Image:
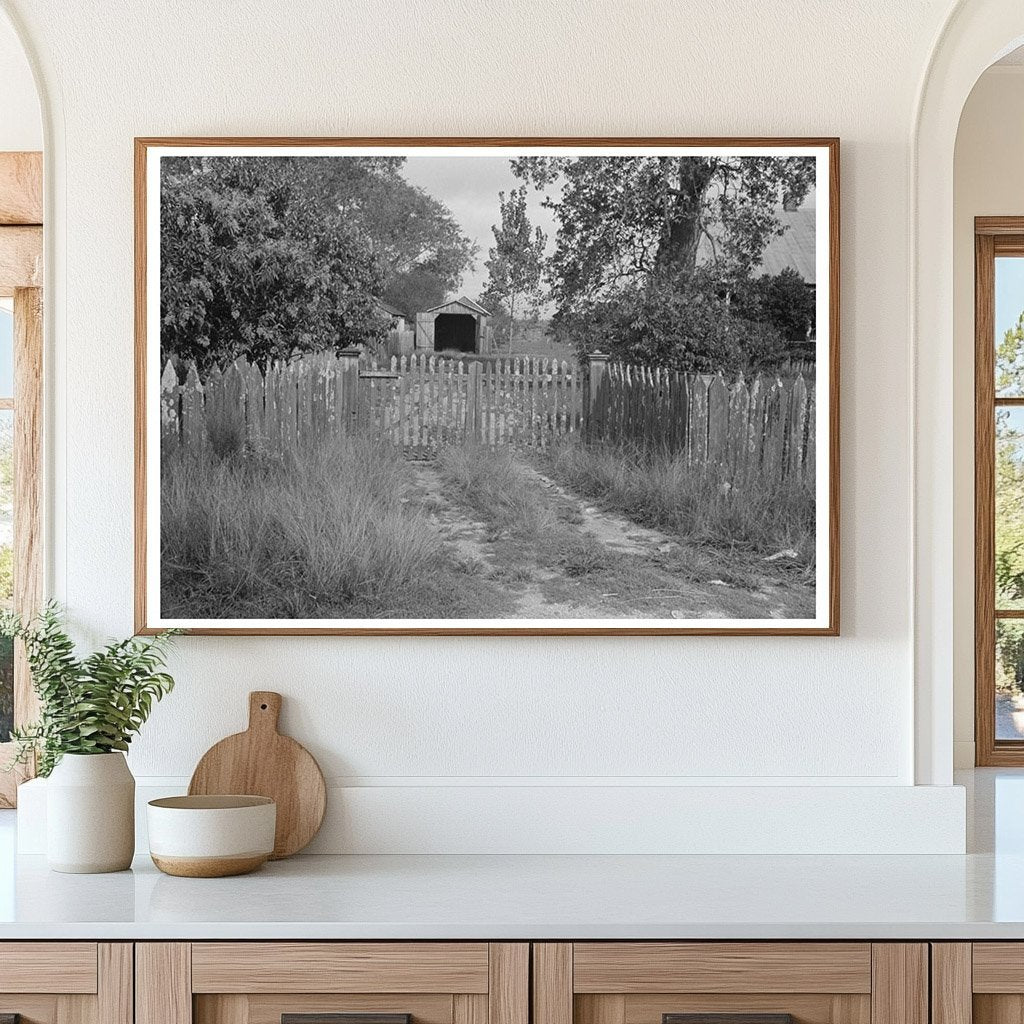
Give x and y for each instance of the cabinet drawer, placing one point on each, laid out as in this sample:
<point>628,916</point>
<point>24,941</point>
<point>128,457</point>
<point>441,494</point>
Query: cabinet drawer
<point>66,982</point>
<point>332,983</point>
<point>730,983</point>
<point>998,967</point>
<point>65,967</point>
<point>340,967</point>
<point>634,967</point>
<point>981,982</point>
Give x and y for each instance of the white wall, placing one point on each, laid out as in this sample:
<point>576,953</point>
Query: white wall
<point>21,127</point>
<point>449,713</point>
<point>987,181</point>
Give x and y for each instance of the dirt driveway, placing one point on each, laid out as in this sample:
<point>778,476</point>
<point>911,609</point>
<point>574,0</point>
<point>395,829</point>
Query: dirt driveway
<point>594,564</point>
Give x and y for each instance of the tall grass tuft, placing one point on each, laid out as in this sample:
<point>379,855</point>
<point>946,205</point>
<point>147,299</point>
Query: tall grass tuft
<point>504,494</point>
<point>225,430</point>
<point>319,534</point>
<point>490,482</point>
<point>657,488</point>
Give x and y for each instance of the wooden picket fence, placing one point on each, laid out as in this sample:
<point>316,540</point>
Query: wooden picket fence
<point>418,402</point>
<point>425,401</point>
<point>761,427</point>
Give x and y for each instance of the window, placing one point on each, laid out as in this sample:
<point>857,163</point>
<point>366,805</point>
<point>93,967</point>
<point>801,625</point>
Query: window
<point>999,490</point>
<point>6,511</point>
<point>20,502</point>
<point>21,366</point>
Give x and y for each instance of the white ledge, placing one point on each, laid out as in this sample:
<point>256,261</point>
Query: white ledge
<point>544,897</point>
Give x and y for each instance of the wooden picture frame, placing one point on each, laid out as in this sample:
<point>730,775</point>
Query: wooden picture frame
<point>825,618</point>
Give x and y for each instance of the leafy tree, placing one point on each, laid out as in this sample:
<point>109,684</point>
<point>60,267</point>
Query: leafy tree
<point>630,225</point>
<point>1009,655</point>
<point>1009,472</point>
<point>1009,511</point>
<point>692,328</point>
<point>250,265</point>
<point>269,257</point>
<point>416,290</point>
<point>412,235</point>
<point>783,300</point>
<point>1009,508</point>
<point>500,322</point>
<point>1010,360</point>
<point>515,260</point>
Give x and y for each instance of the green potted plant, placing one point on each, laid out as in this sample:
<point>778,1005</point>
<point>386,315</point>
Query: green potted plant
<point>90,708</point>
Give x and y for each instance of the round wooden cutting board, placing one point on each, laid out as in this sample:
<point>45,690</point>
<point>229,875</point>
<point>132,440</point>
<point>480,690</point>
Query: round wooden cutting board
<point>262,762</point>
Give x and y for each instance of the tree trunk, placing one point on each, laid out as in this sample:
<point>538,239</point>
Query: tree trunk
<point>683,204</point>
<point>511,319</point>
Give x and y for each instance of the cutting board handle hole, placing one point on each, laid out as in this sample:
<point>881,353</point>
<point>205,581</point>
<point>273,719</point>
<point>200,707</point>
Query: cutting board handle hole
<point>263,707</point>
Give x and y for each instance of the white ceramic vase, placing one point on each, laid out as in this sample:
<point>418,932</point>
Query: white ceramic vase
<point>90,814</point>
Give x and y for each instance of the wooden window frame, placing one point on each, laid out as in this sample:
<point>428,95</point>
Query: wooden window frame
<point>21,273</point>
<point>993,237</point>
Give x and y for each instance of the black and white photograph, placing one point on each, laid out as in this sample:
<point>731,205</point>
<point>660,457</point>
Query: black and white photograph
<point>471,386</point>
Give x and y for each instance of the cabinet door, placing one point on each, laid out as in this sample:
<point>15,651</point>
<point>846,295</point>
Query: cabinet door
<point>332,983</point>
<point>979,982</point>
<point>65,983</point>
<point>730,983</point>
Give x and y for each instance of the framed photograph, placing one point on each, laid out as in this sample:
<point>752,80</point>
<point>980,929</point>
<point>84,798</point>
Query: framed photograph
<point>497,386</point>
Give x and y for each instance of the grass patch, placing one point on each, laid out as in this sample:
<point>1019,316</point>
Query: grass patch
<point>658,489</point>
<point>324,533</point>
<point>490,482</point>
<point>496,487</point>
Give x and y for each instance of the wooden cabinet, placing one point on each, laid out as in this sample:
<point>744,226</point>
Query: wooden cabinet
<point>66,982</point>
<point>306,982</point>
<point>753,982</point>
<point>494,983</point>
<point>978,983</point>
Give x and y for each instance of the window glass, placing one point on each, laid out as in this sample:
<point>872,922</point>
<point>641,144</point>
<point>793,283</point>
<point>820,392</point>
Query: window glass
<point>1009,511</point>
<point>1009,679</point>
<point>6,567</point>
<point>1009,324</point>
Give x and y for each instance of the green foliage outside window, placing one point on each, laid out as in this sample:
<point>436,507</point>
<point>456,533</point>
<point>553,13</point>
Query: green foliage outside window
<point>1009,510</point>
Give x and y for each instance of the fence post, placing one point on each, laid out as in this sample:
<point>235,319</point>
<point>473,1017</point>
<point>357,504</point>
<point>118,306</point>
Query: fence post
<point>170,407</point>
<point>348,389</point>
<point>597,365</point>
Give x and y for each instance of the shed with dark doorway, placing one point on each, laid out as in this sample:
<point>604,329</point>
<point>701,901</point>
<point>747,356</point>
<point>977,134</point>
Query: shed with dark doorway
<point>459,325</point>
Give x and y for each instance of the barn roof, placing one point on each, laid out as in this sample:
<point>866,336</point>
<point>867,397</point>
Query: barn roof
<point>794,248</point>
<point>389,308</point>
<point>461,301</point>
<point>474,305</point>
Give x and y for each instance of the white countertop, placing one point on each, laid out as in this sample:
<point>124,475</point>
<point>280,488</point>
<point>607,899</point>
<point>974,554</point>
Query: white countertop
<point>977,896</point>
<point>496,897</point>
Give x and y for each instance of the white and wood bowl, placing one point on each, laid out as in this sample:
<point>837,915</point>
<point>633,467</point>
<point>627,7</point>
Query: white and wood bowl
<point>211,836</point>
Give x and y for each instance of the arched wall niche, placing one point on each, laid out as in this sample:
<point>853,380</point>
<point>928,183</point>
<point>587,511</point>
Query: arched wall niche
<point>22,130</point>
<point>976,34</point>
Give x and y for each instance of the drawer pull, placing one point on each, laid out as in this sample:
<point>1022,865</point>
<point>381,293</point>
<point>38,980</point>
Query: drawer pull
<point>339,1018</point>
<point>727,1018</point>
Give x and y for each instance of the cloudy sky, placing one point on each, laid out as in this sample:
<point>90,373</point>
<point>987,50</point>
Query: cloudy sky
<point>469,187</point>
